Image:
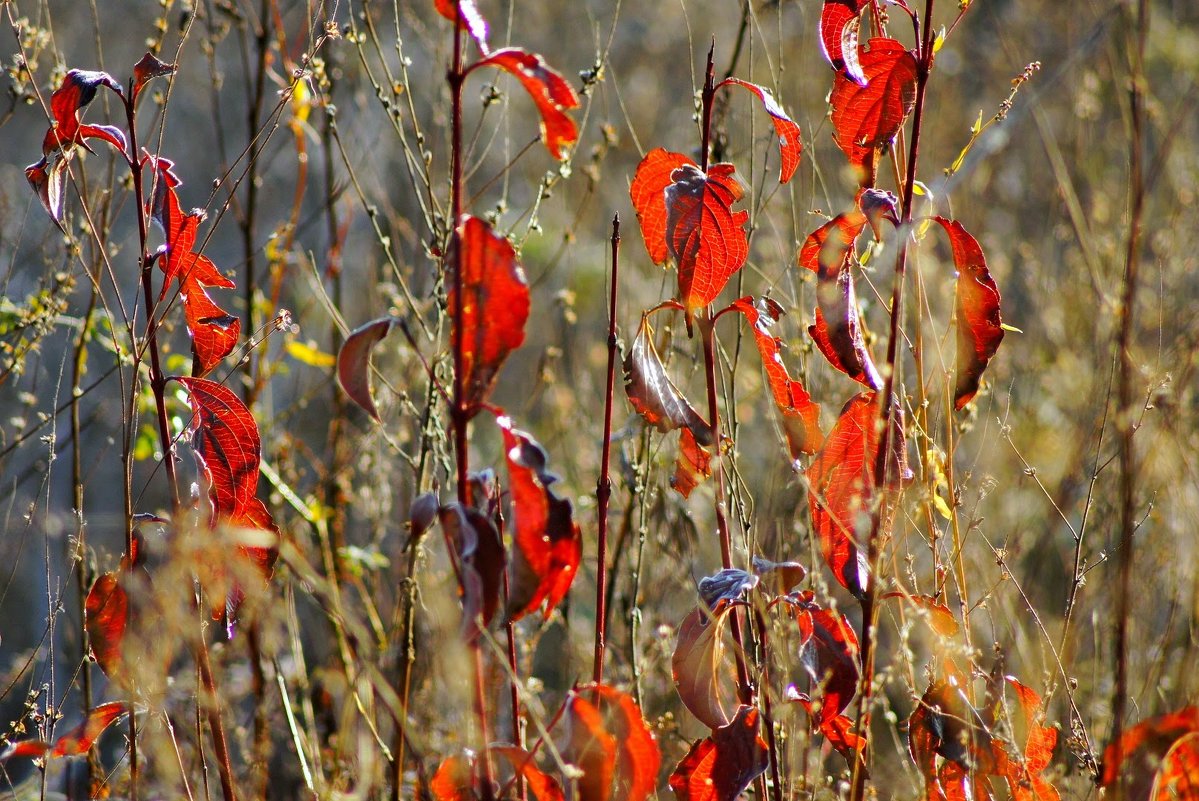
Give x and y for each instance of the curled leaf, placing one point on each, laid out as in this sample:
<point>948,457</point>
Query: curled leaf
<point>78,89</point>
<point>495,306</point>
<point>787,130</point>
<point>634,769</point>
<point>720,767</point>
<point>654,395</point>
<point>552,94</point>
<point>935,613</point>
<point>839,24</point>
<point>49,179</point>
<point>592,748</point>
<point>548,543</point>
<point>693,466</point>
<point>147,69</point>
<point>467,17</point>
<point>354,362</point>
<point>481,560</point>
<point>829,653</point>
<point>1141,747</point>
<point>648,193</point>
<point>1178,775</point>
<point>976,305</point>
<point>779,578</point>
<point>77,741</point>
<point>725,586</point>
<point>702,675</point>
<point>867,116</point>
<point>704,236</point>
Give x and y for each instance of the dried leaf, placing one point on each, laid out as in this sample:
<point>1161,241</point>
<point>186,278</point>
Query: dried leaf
<point>693,466</point>
<point>935,613</point>
<point>720,767</point>
<point>829,653</point>
<point>354,362</point>
<point>702,675</point>
<point>77,741</point>
<point>481,561</point>
<point>654,395</point>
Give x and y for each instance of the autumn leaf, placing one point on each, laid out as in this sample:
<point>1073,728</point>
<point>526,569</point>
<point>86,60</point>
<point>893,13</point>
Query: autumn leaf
<point>78,89</point>
<point>704,236</point>
<point>591,748</point>
<point>829,653</point>
<point>467,17</point>
<point>48,180</point>
<point>720,767</point>
<point>778,578</point>
<point>648,193</point>
<point>654,395</point>
<point>542,786</point>
<point>976,305</point>
<point>945,724</point>
<point>839,24</point>
<point>354,362</point>
<point>867,116</point>
<point>1178,775</point>
<point>548,544</point>
<point>77,741</point>
<point>495,306</point>
<point>1140,748</point>
<point>629,769</point>
<point>106,616</point>
<point>481,560</point>
<point>693,465</point>
<point>552,94</point>
<point>228,451</point>
<point>453,780</point>
<point>839,731</point>
<point>800,416</point>
<point>1023,771</point>
<point>702,675</point>
<point>841,487</point>
<point>790,146</point>
<point>932,611</point>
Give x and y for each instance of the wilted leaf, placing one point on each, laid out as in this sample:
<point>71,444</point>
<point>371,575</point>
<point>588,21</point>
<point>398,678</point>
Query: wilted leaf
<point>481,560</point>
<point>48,181</point>
<point>945,724</point>
<point>148,68</point>
<point>841,485</point>
<point>66,106</point>
<point>495,306</point>
<point>354,362</point>
<point>839,731</point>
<point>648,193</point>
<point>831,246</point>
<point>467,17</point>
<point>976,305</point>
<point>935,613</point>
<point>704,235</point>
<point>800,415</point>
<point>867,116</point>
<point>829,653</point>
<point>77,741</point>
<point>693,466</point>
<point>720,767</point>
<point>788,132</point>
<point>552,93</point>
<point>729,584</point>
<point>548,544</point>
<point>228,452</point>
<point>106,614</point>
<point>703,677</point>
<point>654,395</point>
<point>778,578</point>
<point>839,25</point>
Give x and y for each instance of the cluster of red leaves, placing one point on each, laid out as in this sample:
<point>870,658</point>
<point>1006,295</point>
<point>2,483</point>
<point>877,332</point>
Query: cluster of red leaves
<point>1157,759</point>
<point>77,741</point>
<point>228,451</point>
<point>946,725</point>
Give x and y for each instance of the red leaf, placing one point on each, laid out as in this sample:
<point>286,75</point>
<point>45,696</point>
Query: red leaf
<point>228,452</point>
<point>481,559</point>
<point>552,93</point>
<point>77,741</point>
<point>592,749</point>
<point>839,37</point>
<point>935,613</point>
<point>800,415</point>
<point>703,677</point>
<point>638,757</point>
<point>979,324</point>
<point>788,132</point>
<point>548,544</point>
<point>720,767</point>
<point>648,193</point>
<point>654,395</point>
<point>542,786</point>
<point>693,467</point>
<point>453,780</point>
<point>106,614</point>
<point>704,235</point>
<point>1141,747</point>
<point>831,246</point>
<point>214,331</point>
<point>495,306</point>
<point>841,485</point>
<point>869,115</point>
<point>779,577</point>
<point>148,68</point>
<point>467,17</point>
<point>354,362</point>
<point>830,654</point>
<point>66,106</point>
<point>1178,775</point>
<point>48,181</point>
<point>839,731</point>
<point>945,724</point>
<point>1023,773</point>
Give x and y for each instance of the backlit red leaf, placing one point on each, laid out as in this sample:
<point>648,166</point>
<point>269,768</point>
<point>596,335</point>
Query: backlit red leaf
<point>495,305</point>
<point>66,106</point>
<point>147,69</point>
<point>106,614</point>
<point>778,578</point>
<point>452,780</point>
<point>788,132</point>
<point>703,676</point>
<point>1140,748</point>
<point>354,362</point>
<point>704,235</point>
<point>654,395</point>
<point>648,193</point>
<point>48,180</point>
<point>542,786</point>
<point>720,767</point>
<point>976,305</point>
<point>592,749</point>
<point>841,486</point>
<point>1178,776</point>
<point>693,466</point>
<point>839,37</point>
<point>868,116</point>
<point>831,246</point>
<point>77,741</point>
<point>637,758</point>
<point>214,331</point>
<point>800,415</point>
<point>468,18</point>
<point>481,560</point>
<point>839,731</point>
<point>1023,770</point>
<point>945,724</point>
<point>935,613</point>
<point>548,544</point>
<point>228,451</point>
<point>552,93</point>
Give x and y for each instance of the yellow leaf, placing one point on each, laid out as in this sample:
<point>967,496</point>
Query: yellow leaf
<point>310,354</point>
<point>942,507</point>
